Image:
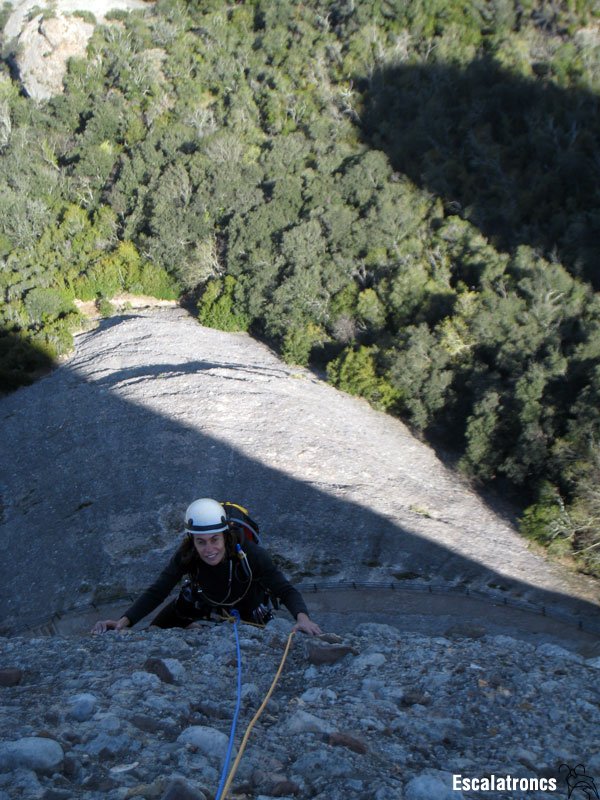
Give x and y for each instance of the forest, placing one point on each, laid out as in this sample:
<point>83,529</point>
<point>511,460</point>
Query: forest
<point>403,195</point>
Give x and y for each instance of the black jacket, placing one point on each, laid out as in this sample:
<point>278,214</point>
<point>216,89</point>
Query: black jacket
<point>218,588</point>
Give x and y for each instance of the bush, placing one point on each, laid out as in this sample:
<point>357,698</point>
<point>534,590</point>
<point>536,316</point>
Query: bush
<point>105,307</point>
<point>21,360</point>
<point>355,372</point>
<point>218,307</point>
<point>299,341</point>
<point>45,304</point>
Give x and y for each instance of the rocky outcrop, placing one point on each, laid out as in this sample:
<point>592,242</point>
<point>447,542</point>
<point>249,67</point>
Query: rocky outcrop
<point>396,716</point>
<point>40,47</point>
<point>44,47</point>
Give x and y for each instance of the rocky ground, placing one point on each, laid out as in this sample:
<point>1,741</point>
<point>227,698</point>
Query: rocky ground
<point>372,715</point>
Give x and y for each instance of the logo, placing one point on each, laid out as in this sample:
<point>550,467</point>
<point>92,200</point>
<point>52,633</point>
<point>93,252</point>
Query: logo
<point>581,785</point>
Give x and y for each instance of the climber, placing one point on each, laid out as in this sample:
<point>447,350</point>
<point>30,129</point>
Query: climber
<point>221,576</point>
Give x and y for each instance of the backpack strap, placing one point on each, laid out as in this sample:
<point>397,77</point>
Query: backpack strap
<point>238,516</point>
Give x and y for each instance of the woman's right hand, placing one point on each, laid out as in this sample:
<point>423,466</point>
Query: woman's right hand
<point>110,625</point>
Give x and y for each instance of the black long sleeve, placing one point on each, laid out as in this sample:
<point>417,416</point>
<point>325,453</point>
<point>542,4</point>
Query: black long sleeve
<point>157,592</point>
<point>265,571</point>
<point>214,582</point>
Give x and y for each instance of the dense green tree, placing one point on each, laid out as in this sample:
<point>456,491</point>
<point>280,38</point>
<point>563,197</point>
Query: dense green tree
<point>356,372</point>
<point>405,191</point>
<point>219,307</point>
<point>420,372</point>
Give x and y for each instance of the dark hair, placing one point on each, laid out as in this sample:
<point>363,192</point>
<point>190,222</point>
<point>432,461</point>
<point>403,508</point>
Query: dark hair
<point>189,556</point>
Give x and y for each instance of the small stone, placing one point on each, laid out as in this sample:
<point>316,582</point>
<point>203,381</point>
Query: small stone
<point>72,768</point>
<point>82,707</point>
<point>274,783</point>
<point>377,631</point>
<point>414,698</point>
<point>157,666</point>
<point>25,783</point>
<point>150,791</point>
<point>249,692</point>
<point>556,651</point>
<point>427,787</point>
<point>285,788</point>
<point>319,695</point>
<point>10,677</point>
<point>57,794</point>
<point>144,722</point>
<point>122,769</point>
<point>145,680</point>
<point>302,722</point>
<point>107,745</point>
<point>321,653</point>
<point>209,741</point>
<point>270,797</point>
<point>109,723</point>
<point>340,739</point>
<point>180,789</point>
<point>366,661</point>
<point>169,670</point>
<point>322,766</point>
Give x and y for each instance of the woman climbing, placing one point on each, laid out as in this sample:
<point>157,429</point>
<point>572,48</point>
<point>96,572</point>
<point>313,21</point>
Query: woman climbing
<point>222,572</point>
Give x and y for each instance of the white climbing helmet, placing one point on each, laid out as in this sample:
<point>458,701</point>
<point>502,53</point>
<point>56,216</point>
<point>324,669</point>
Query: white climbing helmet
<point>205,516</point>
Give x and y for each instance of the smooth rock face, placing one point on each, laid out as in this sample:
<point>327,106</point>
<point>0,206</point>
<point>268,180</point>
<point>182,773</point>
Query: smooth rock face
<point>40,48</point>
<point>153,410</point>
<point>44,47</point>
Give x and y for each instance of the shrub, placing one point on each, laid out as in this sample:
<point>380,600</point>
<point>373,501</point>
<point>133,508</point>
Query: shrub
<point>355,371</point>
<point>218,307</point>
<point>299,341</point>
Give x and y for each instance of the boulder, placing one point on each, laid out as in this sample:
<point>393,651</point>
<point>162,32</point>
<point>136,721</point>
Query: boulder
<point>33,752</point>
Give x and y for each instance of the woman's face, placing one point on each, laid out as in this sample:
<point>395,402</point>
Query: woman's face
<point>210,548</point>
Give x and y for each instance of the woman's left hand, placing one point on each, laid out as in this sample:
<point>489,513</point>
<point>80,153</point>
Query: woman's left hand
<point>305,624</point>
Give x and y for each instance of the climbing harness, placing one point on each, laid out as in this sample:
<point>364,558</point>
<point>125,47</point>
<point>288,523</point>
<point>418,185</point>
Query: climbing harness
<point>225,785</point>
<point>193,593</point>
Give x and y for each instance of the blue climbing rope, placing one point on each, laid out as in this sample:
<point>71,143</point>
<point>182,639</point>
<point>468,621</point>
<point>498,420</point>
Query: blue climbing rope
<point>236,619</point>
